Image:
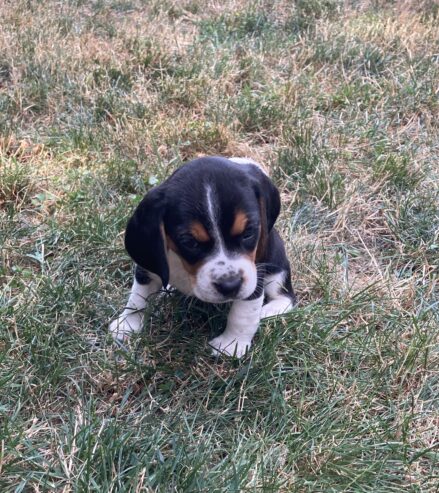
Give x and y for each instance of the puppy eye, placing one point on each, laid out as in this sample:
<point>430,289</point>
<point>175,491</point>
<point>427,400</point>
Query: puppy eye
<point>248,236</point>
<point>190,242</point>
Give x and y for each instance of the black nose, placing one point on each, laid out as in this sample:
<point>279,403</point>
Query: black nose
<point>229,286</point>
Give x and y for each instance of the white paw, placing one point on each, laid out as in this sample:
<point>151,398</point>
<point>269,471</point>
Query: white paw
<point>123,327</point>
<point>231,346</point>
<point>275,308</point>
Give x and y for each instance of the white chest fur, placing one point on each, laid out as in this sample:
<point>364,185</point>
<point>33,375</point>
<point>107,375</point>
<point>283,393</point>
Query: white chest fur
<point>178,276</point>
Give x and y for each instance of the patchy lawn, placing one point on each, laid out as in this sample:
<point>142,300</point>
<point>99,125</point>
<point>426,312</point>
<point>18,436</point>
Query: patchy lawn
<point>100,100</point>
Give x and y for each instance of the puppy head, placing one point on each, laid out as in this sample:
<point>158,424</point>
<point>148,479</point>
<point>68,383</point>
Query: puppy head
<point>214,215</point>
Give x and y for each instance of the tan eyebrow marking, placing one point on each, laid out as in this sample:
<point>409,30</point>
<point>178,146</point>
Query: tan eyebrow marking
<point>199,232</point>
<point>239,224</point>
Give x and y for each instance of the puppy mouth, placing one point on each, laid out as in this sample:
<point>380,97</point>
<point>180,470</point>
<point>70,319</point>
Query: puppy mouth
<point>212,296</point>
<point>226,283</point>
<point>217,298</point>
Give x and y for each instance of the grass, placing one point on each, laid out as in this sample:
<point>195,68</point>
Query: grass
<point>101,100</point>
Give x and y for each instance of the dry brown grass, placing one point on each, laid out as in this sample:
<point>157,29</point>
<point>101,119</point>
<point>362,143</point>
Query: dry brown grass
<point>99,101</point>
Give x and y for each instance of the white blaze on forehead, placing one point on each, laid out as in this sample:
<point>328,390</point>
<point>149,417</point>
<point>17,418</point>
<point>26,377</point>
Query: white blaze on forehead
<point>213,211</point>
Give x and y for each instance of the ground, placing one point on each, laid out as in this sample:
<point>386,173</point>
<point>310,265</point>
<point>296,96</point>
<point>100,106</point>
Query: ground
<point>99,101</point>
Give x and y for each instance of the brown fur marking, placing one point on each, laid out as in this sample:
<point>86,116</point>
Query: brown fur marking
<point>199,232</point>
<point>170,245</point>
<point>252,255</point>
<point>263,234</point>
<point>191,269</point>
<point>239,224</point>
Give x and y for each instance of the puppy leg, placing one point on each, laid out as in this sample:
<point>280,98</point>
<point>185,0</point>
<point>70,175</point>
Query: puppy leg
<point>281,299</point>
<point>242,324</point>
<point>130,321</point>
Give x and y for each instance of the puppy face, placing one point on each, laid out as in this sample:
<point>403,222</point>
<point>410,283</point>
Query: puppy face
<point>216,239</point>
<point>211,218</point>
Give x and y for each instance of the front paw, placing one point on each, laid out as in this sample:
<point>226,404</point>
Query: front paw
<point>229,345</point>
<point>275,308</point>
<point>123,327</point>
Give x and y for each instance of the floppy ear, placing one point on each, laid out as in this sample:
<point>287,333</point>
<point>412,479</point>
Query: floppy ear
<point>144,236</point>
<point>267,195</point>
<point>269,205</point>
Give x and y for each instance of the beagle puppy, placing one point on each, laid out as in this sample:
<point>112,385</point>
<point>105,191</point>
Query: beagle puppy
<point>208,231</point>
